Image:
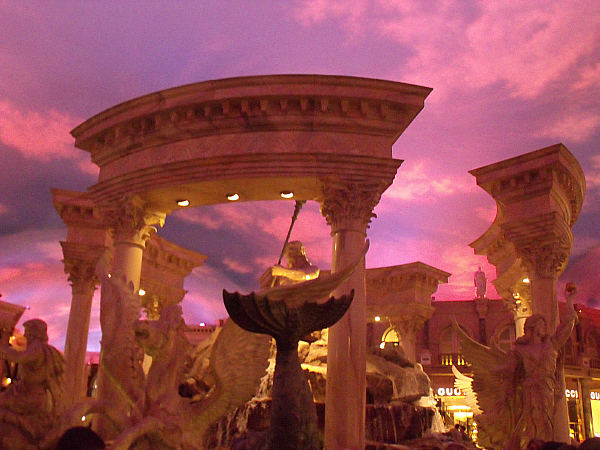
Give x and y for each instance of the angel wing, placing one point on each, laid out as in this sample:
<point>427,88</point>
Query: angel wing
<point>238,361</point>
<point>316,289</point>
<point>493,388</point>
<point>465,384</point>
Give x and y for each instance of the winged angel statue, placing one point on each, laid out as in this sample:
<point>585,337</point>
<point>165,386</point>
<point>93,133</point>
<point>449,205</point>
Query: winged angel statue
<point>513,394</point>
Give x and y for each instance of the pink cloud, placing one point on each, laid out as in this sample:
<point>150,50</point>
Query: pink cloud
<point>38,135</point>
<point>310,12</point>
<point>420,183</point>
<point>592,178</point>
<point>527,45</point>
<point>575,126</point>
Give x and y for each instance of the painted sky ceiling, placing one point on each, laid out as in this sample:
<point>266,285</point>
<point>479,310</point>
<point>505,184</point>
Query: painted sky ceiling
<point>508,77</point>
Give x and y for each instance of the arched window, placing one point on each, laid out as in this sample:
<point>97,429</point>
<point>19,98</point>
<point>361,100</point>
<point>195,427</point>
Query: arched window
<point>391,335</point>
<point>505,336</point>
<point>448,341</point>
<point>449,350</point>
<point>591,344</point>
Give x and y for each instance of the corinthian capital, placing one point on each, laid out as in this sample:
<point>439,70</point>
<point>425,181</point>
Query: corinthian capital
<point>544,242</point>
<point>82,274</point>
<point>546,260</point>
<point>133,220</point>
<point>349,206</point>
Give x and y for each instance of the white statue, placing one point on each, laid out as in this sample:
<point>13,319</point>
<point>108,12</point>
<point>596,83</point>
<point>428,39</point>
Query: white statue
<point>31,406</point>
<point>516,391</point>
<point>480,282</point>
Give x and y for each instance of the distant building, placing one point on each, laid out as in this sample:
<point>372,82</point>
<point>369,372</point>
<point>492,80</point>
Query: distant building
<point>438,349</point>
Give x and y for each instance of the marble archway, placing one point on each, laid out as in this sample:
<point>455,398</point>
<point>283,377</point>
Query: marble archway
<point>324,138</point>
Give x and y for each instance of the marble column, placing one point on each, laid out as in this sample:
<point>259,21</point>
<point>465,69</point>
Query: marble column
<point>132,222</point>
<point>83,281</point>
<point>348,210</point>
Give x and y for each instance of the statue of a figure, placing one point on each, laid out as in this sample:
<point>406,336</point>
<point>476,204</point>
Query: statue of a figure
<point>298,268</point>
<point>517,391</point>
<point>480,282</point>
<point>31,406</point>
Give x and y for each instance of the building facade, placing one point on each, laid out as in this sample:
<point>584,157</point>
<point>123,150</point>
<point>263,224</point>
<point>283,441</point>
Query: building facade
<point>484,320</point>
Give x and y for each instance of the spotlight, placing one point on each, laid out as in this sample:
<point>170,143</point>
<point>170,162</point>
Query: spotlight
<point>233,197</point>
<point>525,280</point>
<point>183,203</point>
<point>286,194</point>
<point>142,292</point>
<point>377,318</point>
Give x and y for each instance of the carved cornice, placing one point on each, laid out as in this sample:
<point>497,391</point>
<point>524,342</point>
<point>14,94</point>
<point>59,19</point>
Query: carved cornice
<point>78,210</point>
<point>164,255</point>
<point>349,206</point>
<point>262,103</point>
<point>133,220</point>
<point>551,169</point>
<point>405,277</point>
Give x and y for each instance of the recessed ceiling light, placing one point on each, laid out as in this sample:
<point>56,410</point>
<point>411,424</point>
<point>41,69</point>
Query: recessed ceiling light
<point>287,194</point>
<point>233,197</point>
<point>183,202</point>
<point>525,280</point>
<point>377,318</point>
<point>142,292</point>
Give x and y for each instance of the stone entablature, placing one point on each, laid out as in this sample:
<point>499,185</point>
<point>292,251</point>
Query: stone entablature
<point>255,136</point>
<point>539,196</point>
<point>281,103</point>
<point>402,284</point>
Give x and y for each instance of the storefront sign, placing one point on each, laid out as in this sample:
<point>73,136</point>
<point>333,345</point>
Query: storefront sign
<point>446,392</point>
<point>571,393</point>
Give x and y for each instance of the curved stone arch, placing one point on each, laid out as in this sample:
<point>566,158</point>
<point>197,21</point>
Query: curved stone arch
<point>324,138</point>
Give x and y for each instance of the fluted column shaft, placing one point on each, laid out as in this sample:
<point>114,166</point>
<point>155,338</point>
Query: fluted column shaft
<point>83,283</point>
<point>348,210</point>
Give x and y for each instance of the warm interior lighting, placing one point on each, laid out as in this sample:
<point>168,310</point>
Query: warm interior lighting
<point>377,318</point>
<point>287,194</point>
<point>233,197</point>
<point>6,382</point>
<point>183,202</point>
<point>142,292</point>
<point>382,345</point>
<point>525,280</point>
<point>202,324</point>
<point>83,418</point>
